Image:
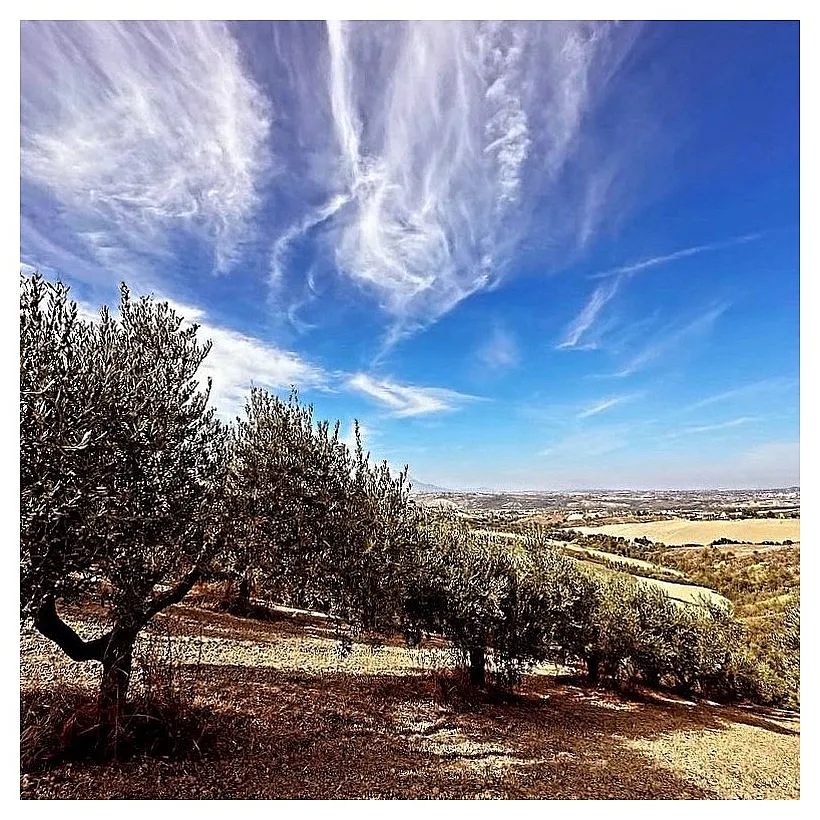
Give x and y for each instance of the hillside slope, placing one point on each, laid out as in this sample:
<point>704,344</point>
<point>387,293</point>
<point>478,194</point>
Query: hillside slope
<point>294,720</point>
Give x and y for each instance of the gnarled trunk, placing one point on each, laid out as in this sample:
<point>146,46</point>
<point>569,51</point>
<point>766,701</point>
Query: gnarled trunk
<point>116,676</point>
<point>114,650</point>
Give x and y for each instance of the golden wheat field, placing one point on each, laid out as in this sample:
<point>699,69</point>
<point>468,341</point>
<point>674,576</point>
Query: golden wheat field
<point>679,531</point>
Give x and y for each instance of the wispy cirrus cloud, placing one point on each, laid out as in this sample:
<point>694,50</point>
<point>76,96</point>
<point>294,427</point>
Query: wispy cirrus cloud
<point>137,129</point>
<point>428,186</point>
<point>437,169</point>
<point>603,405</point>
<point>656,261</point>
<point>404,400</point>
<point>584,321</point>
<point>582,326</point>
<point>417,189</point>
<point>499,351</point>
<point>763,387</point>
<point>673,341</point>
<point>279,253</point>
<point>724,425</point>
<point>710,428</point>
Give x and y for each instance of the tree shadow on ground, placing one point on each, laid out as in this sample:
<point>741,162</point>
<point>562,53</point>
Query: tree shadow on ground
<point>294,735</point>
<point>761,717</point>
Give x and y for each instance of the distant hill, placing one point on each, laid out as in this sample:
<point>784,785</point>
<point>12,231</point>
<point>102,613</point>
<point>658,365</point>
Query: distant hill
<point>419,487</point>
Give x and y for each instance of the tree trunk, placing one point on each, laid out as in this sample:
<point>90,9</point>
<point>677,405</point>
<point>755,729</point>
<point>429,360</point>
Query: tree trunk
<point>593,660</point>
<point>114,650</point>
<point>243,601</point>
<point>116,676</point>
<point>478,666</point>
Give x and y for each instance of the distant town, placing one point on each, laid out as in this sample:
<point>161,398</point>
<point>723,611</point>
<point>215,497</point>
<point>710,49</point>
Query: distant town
<point>623,506</point>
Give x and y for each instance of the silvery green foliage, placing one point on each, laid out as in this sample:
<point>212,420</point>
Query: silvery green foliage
<point>380,533</point>
<point>121,460</point>
<point>524,601</point>
<point>316,524</point>
<point>640,634</point>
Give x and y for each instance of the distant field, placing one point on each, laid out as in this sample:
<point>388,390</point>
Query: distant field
<point>619,559</point>
<point>684,593</point>
<point>678,531</point>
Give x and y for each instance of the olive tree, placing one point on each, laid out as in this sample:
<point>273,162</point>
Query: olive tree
<point>122,468</point>
<point>376,537</point>
<point>289,480</point>
<point>318,524</point>
<point>459,589</point>
<point>523,600</point>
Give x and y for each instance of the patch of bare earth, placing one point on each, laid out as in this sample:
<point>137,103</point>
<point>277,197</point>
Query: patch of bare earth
<point>295,720</point>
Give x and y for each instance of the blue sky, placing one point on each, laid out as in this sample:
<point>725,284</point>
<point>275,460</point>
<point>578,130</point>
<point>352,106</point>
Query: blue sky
<point>532,256</point>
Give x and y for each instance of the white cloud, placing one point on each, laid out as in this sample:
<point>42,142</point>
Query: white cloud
<point>655,261</point>
<point>601,406</point>
<point>500,350</point>
<point>437,160</point>
<point>723,425</point>
<point>586,320</point>
<point>140,132</point>
<point>278,258</point>
<point>673,341</point>
<point>764,387</point>
<point>141,128</point>
<point>404,400</point>
<point>582,323</point>
<point>236,361</point>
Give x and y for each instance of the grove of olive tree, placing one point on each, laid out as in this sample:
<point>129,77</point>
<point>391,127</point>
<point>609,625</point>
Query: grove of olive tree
<point>132,490</point>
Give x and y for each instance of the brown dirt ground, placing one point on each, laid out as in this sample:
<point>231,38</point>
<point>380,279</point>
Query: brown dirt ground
<point>296,721</point>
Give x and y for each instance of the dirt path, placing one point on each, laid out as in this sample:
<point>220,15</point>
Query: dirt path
<point>296,721</point>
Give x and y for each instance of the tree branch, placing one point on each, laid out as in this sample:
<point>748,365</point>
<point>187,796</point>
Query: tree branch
<point>172,596</point>
<point>48,623</point>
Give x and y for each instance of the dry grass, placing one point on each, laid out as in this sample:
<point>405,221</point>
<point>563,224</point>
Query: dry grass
<point>355,729</point>
<point>572,550</point>
<point>684,593</point>
<point>679,531</point>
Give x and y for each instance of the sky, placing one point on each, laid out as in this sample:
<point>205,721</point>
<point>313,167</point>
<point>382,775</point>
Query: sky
<point>523,255</point>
